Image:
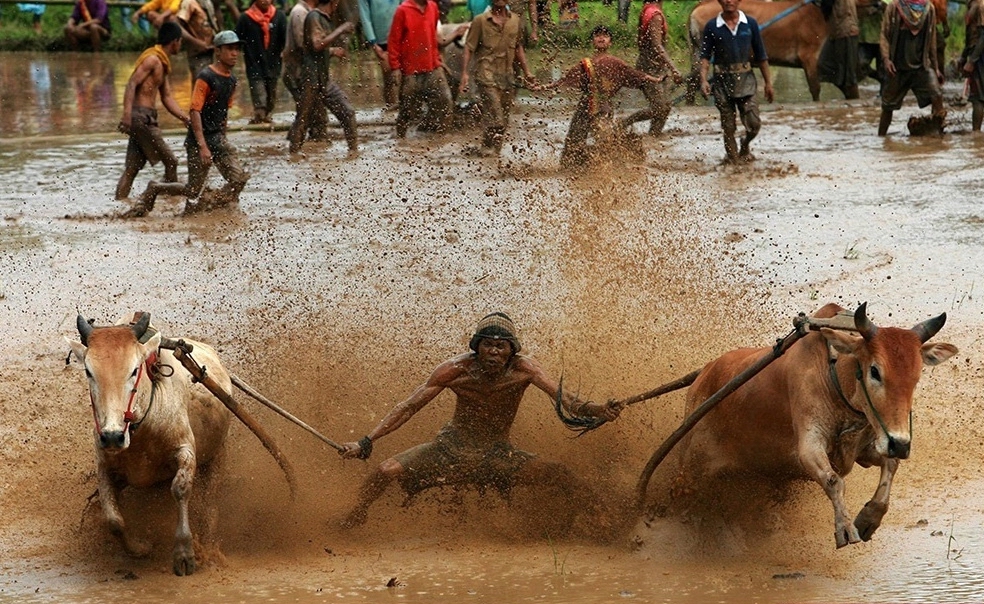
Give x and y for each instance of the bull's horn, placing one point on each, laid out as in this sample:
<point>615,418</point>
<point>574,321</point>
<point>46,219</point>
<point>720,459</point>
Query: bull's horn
<point>929,327</point>
<point>863,324</point>
<point>140,327</point>
<point>85,328</point>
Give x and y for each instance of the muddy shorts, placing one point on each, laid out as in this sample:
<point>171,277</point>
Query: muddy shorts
<point>146,142</point>
<point>452,460</point>
<point>922,83</point>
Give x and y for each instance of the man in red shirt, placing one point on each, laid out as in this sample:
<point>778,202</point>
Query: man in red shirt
<point>414,52</point>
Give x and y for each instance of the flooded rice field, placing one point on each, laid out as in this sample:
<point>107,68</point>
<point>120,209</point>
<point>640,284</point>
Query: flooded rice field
<point>336,285</point>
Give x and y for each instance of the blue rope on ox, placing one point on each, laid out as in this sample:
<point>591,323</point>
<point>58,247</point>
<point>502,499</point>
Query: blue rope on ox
<point>785,13</point>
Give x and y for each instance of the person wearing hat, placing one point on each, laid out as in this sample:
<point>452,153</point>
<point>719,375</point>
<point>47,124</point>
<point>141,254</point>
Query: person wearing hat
<point>598,78</point>
<point>139,121</point>
<point>206,142</point>
<point>473,448</point>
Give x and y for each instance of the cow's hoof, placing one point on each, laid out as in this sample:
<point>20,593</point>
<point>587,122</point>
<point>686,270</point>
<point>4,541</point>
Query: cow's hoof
<point>846,535</point>
<point>184,563</point>
<point>869,519</point>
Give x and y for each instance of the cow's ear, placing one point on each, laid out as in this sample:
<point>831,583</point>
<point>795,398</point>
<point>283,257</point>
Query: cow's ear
<point>935,353</point>
<point>842,342</point>
<point>152,344</point>
<point>78,349</point>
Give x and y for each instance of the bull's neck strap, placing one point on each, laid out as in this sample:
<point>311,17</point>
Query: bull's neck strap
<point>832,364</point>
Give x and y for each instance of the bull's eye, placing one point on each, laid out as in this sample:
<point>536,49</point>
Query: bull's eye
<point>875,374</point>
<point>134,374</point>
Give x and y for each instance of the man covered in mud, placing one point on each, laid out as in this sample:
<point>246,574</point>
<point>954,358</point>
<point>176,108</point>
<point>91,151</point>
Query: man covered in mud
<point>139,119</point>
<point>655,60</point>
<point>206,142</point>
<point>318,91</point>
<point>494,41</point>
<point>733,42</point>
<point>598,78</point>
<point>473,448</point>
<point>971,58</point>
<point>908,48</point>
<point>414,52</point>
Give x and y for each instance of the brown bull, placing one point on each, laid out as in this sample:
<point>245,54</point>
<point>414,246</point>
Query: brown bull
<point>794,40</point>
<point>152,424</point>
<point>834,399</point>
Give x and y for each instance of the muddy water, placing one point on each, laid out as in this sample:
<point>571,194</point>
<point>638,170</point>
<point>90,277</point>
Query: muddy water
<point>336,285</point>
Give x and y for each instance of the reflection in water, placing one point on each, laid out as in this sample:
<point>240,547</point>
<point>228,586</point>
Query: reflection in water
<point>80,93</point>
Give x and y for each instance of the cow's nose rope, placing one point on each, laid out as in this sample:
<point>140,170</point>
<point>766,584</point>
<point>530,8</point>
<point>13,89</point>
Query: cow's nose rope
<point>858,374</point>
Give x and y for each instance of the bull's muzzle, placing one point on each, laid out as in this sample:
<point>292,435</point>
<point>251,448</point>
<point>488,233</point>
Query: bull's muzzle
<point>898,449</point>
<point>112,439</point>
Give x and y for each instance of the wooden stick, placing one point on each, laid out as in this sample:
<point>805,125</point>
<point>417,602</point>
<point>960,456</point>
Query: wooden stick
<point>283,412</point>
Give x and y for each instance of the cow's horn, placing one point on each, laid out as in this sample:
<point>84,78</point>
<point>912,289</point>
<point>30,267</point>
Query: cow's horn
<point>140,327</point>
<point>929,327</point>
<point>85,328</point>
<point>863,323</point>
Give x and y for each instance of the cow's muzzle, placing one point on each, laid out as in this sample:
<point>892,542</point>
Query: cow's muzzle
<point>898,449</point>
<point>112,439</point>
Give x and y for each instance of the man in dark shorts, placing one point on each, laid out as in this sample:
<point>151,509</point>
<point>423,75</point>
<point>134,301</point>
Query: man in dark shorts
<point>598,78</point>
<point>733,42</point>
<point>317,88</point>
<point>206,143</point>
<point>140,110</point>
<point>908,48</point>
<point>473,448</point>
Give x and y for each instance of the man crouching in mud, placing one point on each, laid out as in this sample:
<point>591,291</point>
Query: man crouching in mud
<point>473,448</point>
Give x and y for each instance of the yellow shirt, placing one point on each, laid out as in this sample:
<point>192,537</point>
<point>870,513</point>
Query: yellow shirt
<point>160,6</point>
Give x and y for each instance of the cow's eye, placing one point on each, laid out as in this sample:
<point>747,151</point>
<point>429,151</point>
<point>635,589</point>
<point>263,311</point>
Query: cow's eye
<point>134,374</point>
<point>875,374</point>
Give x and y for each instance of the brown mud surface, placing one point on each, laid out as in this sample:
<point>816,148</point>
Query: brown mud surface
<point>336,285</point>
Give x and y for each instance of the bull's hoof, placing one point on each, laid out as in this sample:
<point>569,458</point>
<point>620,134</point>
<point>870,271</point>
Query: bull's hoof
<point>846,535</point>
<point>183,562</point>
<point>869,519</point>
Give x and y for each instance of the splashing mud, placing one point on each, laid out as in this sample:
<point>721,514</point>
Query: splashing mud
<point>337,285</point>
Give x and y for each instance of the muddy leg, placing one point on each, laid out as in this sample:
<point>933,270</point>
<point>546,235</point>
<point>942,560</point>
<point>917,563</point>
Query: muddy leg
<point>109,500</point>
<point>884,122</point>
<point>183,555</point>
<point>870,517</point>
<point>372,489</point>
<point>977,115</point>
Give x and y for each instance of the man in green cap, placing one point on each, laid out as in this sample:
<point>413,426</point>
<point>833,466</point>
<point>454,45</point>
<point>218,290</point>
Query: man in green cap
<point>473,448</point>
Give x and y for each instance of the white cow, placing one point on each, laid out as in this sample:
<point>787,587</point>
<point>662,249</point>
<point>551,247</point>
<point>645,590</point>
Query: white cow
<point>152,424</point>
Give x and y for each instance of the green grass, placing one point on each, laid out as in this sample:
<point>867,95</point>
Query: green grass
<point>16,32</point>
